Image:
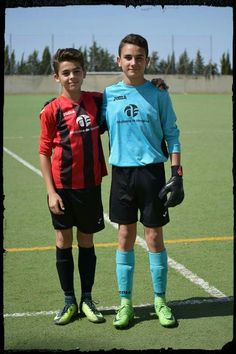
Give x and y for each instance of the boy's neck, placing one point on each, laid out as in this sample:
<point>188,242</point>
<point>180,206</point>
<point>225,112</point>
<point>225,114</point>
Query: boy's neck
<point>72,96</point>
<point>134,82</point>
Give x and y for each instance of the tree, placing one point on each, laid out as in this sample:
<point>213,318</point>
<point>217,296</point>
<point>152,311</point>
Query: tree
<point>9,62</point>
<point>184,66</point>
<point>100,59</point>
<point>13,63</point>
<point>230,71</point>
<point>211,70</point>
<point>198,65</point>
<point>33,63</point>
<point>106,61</point>
<point>162,66</point>
<point>153,64</point>
<point>170,65</point>
<point>6,61</point>
<point>85,55</point>
<point>45,64</point>
<point>225,65</point>
<point>22,67</point>
<point>93,57</point>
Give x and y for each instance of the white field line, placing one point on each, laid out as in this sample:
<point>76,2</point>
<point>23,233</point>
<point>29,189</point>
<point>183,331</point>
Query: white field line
<point>25,163</point>
<point>114,308</point>
<point>194,278</point>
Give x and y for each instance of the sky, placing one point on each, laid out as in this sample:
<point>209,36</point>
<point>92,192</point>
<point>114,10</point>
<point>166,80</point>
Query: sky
<point>204,28</point>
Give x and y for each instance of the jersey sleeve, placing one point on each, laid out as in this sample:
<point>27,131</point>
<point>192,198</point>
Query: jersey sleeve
<point>168,122</point>
<point>48,130</point>
<point>102,120</point>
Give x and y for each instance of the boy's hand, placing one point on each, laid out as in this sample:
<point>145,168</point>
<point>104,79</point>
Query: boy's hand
<point>175,187</point>
<point>56,204</point>
<point>158,82</point>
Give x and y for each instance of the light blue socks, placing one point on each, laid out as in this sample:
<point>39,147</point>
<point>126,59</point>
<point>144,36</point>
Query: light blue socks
<point>158,267</point>
<point>125,264</point>
<point>125,270</point>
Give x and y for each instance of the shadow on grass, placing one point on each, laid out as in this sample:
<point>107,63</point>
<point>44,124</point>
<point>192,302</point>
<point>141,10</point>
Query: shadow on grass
<point>197,307</point>
<point>194,307</point>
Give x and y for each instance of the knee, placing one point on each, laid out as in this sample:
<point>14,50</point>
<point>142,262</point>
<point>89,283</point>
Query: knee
<point>64,238</point>
<point>85,240</point>
<point>126,238</point>
<point>154,239</point>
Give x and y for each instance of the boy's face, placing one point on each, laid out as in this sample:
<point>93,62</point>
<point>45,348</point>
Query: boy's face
<point>133,62</point>
<point>71,76</point>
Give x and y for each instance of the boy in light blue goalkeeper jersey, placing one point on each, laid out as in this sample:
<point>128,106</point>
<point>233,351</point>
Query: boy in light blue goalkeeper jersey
<point>143,133</point>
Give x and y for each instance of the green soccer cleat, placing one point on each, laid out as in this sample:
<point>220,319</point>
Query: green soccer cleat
<point>124,316</point>
<point>164,313</point>
<point>66,315</point>
<point>88,308</point>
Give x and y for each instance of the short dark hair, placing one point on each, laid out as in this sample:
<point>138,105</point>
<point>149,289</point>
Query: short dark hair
<point>67,54</point>
<point>135,39</point>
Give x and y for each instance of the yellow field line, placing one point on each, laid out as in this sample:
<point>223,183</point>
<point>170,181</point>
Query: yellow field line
<point>200,239</point>
<point>114,244</point>
<point>48,248</point>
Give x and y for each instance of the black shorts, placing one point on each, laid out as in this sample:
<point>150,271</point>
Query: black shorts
<point>83,209</point>
<point>136,189</point>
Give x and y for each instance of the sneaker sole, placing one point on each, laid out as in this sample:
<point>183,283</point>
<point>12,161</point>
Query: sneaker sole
<point>91,320</point>
<point>168,325</point>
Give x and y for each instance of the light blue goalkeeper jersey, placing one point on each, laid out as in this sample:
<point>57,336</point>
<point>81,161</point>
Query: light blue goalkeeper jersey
<point>139,120</point>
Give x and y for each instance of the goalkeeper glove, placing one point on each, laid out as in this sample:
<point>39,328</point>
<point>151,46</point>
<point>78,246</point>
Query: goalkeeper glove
<point>175,187</point>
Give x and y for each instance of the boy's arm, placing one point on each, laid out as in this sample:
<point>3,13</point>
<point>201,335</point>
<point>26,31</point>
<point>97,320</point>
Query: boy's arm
<point>102,118</point>
<point>54,200</point>
<point>175,159</point>
<point>103,127</point>
<point>175,184</point>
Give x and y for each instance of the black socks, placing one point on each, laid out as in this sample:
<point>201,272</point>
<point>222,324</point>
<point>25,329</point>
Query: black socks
<point>65,268</point>
<point>87,265</point>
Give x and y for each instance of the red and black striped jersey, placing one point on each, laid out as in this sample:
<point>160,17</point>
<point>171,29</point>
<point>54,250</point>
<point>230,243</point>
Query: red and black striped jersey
<point>70,135</point>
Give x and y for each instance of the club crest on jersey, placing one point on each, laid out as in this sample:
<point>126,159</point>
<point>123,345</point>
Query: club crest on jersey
<point>83,121</point>
<point>131,110</point>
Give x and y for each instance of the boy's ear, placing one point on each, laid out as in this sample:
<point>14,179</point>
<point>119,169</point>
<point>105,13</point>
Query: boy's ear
<point>118,61</point>
<point>147,62</point>
<point>85,72</point>
<point>56,77</point>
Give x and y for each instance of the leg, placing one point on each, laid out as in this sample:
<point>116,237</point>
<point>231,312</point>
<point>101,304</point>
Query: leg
<point>159,268</point>
<point>86,262</point>
<point>125,259</point>
<point>125,270</point>
<point>157,259</point>
<point>65,269</point>
<point>87,267</point>
<point>127,237</point>
<point>64,261</point>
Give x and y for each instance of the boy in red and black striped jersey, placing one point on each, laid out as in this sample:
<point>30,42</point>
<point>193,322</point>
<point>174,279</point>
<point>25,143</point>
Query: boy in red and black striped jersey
<point>72,163</point>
